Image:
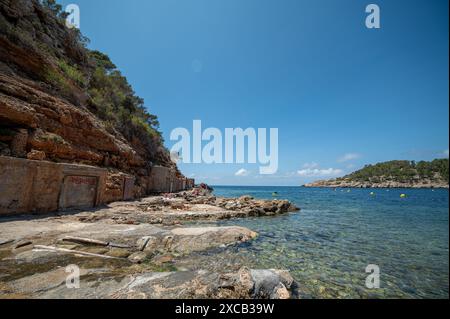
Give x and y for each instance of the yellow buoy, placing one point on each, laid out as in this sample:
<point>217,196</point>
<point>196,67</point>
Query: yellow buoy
<point>372,194</point>
<point>403,196</point>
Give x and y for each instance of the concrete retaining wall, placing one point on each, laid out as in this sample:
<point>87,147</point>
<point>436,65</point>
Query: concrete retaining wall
<point>190,183</point>
<point>38,187</point>
<point>28,186</point>
<point>159,180</point>
<point>164,180</point>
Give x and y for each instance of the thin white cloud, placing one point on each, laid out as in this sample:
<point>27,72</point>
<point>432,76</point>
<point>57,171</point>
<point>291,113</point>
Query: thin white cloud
<point>349,157</point>
<point>316,172</point>
<point>445,153</point>
<point>242,172</point>
<point>285,175</point>
<point>311,165</point>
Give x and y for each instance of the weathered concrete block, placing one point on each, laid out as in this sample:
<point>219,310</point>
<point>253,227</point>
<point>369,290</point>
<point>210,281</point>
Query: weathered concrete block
<point>78,191</point>
<point>128,189</point>
<point>16,183</point>
<point>173,182</point>
<point>178,184</point>
<point>165,180</point>
<point>47,181</point>
<point>160,180</point>
<point>28,186</point>
<point>190,183</point>
<point>85,185</point>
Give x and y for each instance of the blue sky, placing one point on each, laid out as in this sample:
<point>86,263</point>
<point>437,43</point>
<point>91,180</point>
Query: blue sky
<point>340,94</point>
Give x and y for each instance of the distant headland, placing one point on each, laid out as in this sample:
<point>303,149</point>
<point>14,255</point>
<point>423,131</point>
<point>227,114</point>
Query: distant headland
<point>394,174</point>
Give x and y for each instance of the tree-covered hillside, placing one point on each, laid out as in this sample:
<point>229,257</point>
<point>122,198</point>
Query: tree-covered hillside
<point>402,171</point>
<point>58,60</point>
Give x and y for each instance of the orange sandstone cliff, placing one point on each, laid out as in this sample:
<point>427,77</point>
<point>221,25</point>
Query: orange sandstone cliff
<point>61,102</point>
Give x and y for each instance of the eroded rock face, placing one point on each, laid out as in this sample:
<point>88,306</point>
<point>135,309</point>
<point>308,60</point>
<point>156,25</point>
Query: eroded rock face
<point>200,284</point>
<point>36,155</point>
<point>244,284</point>
<point>246,205</point>
<point>51,235</point>
<point>182,207</point>
<point>45,114</point>
<point>84,139</point>
<point>116,261</point>
<point>196,239</point>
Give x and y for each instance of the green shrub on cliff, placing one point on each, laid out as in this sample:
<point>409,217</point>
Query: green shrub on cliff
<point>111,96</point>
<point>114,101</point>
<point>57,80</point>
<point>73,73</point>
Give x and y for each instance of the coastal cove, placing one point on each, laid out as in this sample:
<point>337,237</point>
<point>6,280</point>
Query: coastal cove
<point>121,122</point>
<point>329,243</point>
<point>259,243</point>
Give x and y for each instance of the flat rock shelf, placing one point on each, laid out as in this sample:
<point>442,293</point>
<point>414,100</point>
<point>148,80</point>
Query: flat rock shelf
<point>138,249</point>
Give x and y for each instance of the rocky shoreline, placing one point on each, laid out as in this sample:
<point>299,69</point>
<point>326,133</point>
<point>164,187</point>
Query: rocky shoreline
<point>132,249</point>
<point>347,183</point>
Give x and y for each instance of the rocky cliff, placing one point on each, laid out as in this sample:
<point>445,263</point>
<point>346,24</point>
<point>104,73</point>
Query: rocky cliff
<point>61,102</point>
<point>394,174</point>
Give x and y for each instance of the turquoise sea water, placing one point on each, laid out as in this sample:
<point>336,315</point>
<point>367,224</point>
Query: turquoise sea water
<point>328,245</point>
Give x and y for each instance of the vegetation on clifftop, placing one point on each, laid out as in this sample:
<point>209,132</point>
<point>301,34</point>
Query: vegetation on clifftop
<point>402,171</point>
<point>114,101</point>
<point>57,57</point>
<point>111,97</point>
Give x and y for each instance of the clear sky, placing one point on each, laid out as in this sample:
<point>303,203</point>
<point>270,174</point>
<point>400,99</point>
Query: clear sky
<point>340,94</point>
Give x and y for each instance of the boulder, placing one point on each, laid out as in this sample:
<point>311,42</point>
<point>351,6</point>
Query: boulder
<point>36,155</point>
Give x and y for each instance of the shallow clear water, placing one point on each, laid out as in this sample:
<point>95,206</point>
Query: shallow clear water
<point>328,245</point>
